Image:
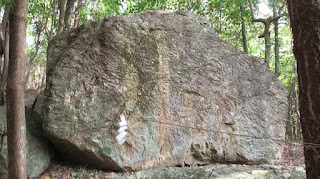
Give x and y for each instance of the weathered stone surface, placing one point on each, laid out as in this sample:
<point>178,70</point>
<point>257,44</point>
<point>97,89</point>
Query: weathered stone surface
<point>158,68</point>
<point>222,172</point>
<point>30,97</point>
<point>34,100</point>
<point>37,145</point>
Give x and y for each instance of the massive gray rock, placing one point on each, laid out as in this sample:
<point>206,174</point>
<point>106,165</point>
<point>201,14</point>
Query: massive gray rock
<point>188,96</point>
<point>37,145</point>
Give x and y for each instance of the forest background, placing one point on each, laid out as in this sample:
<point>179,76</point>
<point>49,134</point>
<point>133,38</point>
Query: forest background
<point>257,27</point>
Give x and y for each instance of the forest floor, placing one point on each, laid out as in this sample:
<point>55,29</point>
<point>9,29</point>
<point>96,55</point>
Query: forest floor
<point>292,156</point>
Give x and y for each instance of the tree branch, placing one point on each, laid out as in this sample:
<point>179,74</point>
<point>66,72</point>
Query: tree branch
<point>280,9</point>
<point>252,14</point>
<point>278,17</point>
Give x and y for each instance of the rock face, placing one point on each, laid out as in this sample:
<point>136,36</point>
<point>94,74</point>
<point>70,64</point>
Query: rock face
<point>188,97</point>
<point>222,172</point>
<point>37,145</point>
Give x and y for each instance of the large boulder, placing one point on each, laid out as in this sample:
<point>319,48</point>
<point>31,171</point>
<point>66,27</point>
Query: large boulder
<point>188,96</point>
<point>37,145</point>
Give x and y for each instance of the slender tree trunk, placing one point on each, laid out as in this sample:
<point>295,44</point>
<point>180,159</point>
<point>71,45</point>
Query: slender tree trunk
<point>305,24</point>
<point>220,17</point>
<point>5,19</point>
<point>62,14</point>
<point>78,12</point>
<point>243,31</point>
<point>4,72</point>
<point>43,80</point>
<point>291,107</point>
<point>53,19</point>
<point>68,15</point>
<point>266,32</point>
<point>276,40</point>
<point>2,44</point>
<point>267,44</point>
<point>276,48</point>
<point>289,119</point>
<point>292,110</point>
<point>16,123</point>
<point>2,41</point>
<point>34,55</point>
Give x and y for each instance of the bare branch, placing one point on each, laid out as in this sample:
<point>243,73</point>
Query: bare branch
<point>278,17</point>
<point>280,9</point>
<point>252,14</point>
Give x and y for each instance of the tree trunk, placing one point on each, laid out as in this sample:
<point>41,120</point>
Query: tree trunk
<point>62,14</point>
<point>276,40</point>
<point>305,24</point>
<point>266,32</point>
<point>16,123</point>
<point>1,46</point>
<point>78,12</point>
<point>33,56</point>
<point>4,73</point>
<point>276,48</point>
<point>53,19</point>
<point>68,15</point>
<point>5,19</point>
<point>289,119</point>
<point>243,31</point>
<point>43,81</point>
<point>267,44</point>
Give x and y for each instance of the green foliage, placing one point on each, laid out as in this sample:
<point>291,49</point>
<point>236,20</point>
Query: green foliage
<point>98,9</point>
<point>135,6</point>
<point>7,3</point>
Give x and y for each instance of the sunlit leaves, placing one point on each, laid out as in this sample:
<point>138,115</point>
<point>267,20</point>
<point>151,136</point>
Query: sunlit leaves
<point>98,9</point>
<point>134,6</point>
